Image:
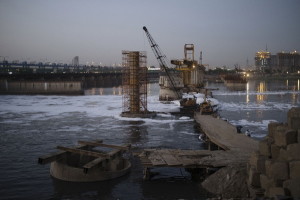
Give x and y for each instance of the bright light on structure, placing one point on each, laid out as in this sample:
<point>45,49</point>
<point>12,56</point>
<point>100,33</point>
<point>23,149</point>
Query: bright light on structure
<point>263,54</point>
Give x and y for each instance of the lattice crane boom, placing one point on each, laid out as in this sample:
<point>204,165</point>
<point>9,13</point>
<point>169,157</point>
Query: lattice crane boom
<point>161,60</point>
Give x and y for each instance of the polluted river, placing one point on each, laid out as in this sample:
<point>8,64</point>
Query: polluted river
<point>33,125</point>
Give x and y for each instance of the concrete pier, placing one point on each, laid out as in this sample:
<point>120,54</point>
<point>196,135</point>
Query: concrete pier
<point>225,135</point>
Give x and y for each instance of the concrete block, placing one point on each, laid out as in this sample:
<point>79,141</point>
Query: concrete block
<point>279,135</point>
<point>284,137</point>
<point>294,169</point>
<point>283,155</point>
<point>293,151</point>
<point>266,182</point>
<point>277,170</point>
<point>268,167</point>
<point>257,161</point>
<point>294,118</point>
<point>265,148</point>
<point>272,128</point>
<point>276,191</point>
<point>254,177</point>
<point>293,186</point>
<point>291,136</point>
<point>274,151</point>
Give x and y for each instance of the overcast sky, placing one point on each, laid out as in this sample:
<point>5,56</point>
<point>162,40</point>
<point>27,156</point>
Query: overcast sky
<point>226,31</point>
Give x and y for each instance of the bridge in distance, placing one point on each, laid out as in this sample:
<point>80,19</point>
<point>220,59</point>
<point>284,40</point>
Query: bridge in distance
<point>54,71</point>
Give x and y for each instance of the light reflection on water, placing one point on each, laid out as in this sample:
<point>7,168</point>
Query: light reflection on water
<point>247,93</point>
<point>261,102</point>
<point>261,88</point>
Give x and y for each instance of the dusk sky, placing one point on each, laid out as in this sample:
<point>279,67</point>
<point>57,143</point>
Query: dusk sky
<point>226,31</point>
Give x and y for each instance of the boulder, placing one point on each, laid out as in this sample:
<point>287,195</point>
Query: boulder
<point>230,182</point>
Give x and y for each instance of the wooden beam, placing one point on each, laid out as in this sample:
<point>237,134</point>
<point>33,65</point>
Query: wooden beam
<point>51,157</point>
<point>94,163</point>
<point>83,152</point>
<point>57,155</point>
<point>99,161</point>
<point>126,147</point>
<point>113,154</point>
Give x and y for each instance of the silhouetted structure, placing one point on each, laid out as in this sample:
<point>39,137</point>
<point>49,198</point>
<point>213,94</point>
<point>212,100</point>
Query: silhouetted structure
<point>75,61</point>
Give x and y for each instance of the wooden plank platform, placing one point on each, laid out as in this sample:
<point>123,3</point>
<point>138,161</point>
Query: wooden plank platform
<point>238,148</point>
<point>184,158</point>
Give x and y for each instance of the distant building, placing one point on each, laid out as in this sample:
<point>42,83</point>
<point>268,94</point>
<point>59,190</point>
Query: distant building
<point>281,62</point>
<point>75,61</point>
<point>263,60</point>
<point>287,62</point>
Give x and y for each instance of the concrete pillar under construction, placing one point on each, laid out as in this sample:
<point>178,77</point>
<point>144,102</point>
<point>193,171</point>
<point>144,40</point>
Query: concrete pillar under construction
<point>135,85</point>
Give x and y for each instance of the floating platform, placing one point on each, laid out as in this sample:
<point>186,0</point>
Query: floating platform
<point>83,163</point>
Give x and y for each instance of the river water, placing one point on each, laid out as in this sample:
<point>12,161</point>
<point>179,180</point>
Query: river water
<point>32,126</point>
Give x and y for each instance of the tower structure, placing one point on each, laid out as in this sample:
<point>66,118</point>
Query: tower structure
<point>134,82</point>
<point>75,61</point>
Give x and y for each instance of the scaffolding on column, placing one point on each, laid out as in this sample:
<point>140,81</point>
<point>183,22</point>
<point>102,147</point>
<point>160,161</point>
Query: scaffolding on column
<point>134,83</point>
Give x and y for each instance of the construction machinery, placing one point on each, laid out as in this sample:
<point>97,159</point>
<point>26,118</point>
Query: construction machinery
<point>171,81</point>
<point>186,76</point>
<point>192,71</point>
